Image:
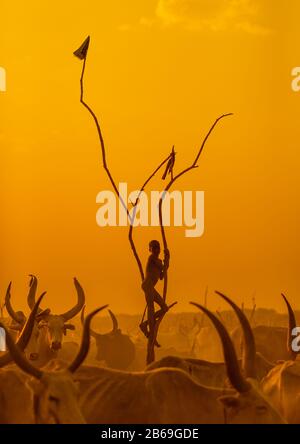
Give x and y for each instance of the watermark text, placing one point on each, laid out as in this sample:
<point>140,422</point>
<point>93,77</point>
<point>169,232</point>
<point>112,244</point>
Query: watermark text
<point>296,79</point>
<point>2,340</point>
<point>2,79</point>
<point>179,209</point>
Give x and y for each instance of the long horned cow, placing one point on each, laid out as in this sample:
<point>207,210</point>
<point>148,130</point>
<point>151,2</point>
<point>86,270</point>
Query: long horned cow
<point>163,396</point>
<point>282,384</point>
<point>264,336</point>
<point>214,374</point>
<point>171,396</point>
<point>25,335</point>
<point>51,395</point>
<point>18,318</point>
<point>52,328</point>
<point>116,349</point>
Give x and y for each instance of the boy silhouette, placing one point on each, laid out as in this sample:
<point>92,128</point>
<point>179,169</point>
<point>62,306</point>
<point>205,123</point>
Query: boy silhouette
<point>155,271</point>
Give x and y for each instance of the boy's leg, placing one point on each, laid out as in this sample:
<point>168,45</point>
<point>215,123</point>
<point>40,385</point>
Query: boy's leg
<point>151,320</point>
<point>144,325</point>
<point>151,296</point>
<point>160,301</point>
<point>152,317</point>
<point>147,327</point>
<point>144,328</point>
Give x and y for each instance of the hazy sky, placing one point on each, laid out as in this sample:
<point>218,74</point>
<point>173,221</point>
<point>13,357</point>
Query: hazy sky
<point>159,72</point>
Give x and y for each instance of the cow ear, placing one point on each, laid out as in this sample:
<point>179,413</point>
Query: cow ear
<point>230,402</point>
<point>69,327</point>
<point>42,314</point>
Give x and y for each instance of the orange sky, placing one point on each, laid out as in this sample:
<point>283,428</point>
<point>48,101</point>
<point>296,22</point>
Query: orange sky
<point>158,74</point>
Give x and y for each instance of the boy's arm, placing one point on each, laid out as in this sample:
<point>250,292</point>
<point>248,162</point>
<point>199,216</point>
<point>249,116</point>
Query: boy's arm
<point>166,264</point>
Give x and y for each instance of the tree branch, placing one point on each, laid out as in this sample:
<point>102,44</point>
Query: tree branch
<point>132,218</point>
<point>152,339</point>
<point>172,181</point>
<point>103,151</point>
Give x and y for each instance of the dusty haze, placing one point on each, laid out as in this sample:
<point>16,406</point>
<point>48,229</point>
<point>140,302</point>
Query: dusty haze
<point>158,74</point>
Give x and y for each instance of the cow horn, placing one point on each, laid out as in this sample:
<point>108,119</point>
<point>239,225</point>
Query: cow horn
<point>17,317</point>
<point>32,292</point>
<point>114,321</point>
<point>80,302</point>
<point>249,355</point>
<point>85,341</point>
<point>18,356</point>
<point>235,376</point>
<point>25,334</point>
<point>292,325</point>
<point>93,333</point>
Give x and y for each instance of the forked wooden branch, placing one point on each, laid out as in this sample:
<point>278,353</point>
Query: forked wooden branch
<point>132,218</point>
<point>251,320</point>
<point>104,161</point>
<point>172,181</point>
<point>105,166</point>
<point>152,339</point>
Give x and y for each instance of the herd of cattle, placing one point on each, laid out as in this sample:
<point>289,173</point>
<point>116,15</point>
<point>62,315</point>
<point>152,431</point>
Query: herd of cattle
<point>102,378</point>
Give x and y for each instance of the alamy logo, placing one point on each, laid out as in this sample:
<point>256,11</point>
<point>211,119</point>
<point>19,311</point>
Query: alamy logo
<point>188,209</point>
<point>2,340</point>
<point>2,79</point>
<point>296,341</point>
<point>296,79</point>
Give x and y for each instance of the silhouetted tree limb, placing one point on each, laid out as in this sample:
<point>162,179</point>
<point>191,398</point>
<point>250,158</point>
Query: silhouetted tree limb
<point>172,181</point>
<point>251,319</point>
<point>150,177</point>
<point>153,335</point>
<point>82,53</point>
<point>132,218</point>
<point>105,166</point>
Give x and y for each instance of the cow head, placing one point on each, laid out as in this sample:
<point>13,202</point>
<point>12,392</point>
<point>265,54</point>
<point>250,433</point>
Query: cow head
<point>52,328</point>
<point>114,347</point>
<point>250,407</point>
<point>55,392</point>
<point>104,341</point>
<point>19,319</point>
<point>247,405</point>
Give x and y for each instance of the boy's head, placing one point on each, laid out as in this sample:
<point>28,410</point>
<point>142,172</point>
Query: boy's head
<point>154,247</point>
